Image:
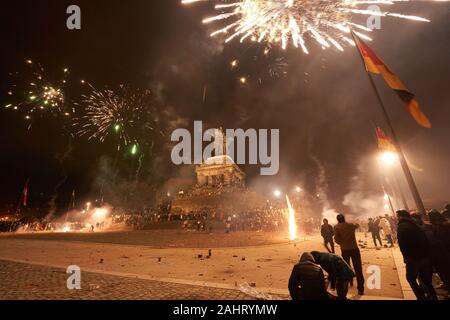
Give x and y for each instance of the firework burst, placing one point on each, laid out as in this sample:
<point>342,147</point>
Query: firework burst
<point>34,93</point>
<point>127,114</point>
<point>328,22</point>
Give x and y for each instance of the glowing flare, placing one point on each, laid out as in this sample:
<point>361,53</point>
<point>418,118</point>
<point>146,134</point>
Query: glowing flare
<point>388,158</point>
<point>292,222</point>
<point>277,193</point>
<point>100,214</point>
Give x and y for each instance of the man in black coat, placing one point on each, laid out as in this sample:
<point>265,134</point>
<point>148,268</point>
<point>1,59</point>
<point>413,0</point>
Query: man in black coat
<point>441,228</point>
<point>327,233</point>
<point>439,257</point>
<point>374,229</point>
<point>415,248</point>
<point>307,281</point>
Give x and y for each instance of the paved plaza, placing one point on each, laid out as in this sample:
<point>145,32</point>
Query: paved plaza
<point>156,265</point>
<point>22,281</point>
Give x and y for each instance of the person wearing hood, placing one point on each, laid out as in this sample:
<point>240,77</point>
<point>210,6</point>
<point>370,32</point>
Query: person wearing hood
<point>307,281</point>
<point>339,272</point>
<point>415,249</point>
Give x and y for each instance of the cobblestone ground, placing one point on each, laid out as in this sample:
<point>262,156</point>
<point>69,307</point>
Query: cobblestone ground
<point>30,282</point>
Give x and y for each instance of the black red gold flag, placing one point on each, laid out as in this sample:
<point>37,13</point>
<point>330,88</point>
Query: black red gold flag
<point>376,66</point>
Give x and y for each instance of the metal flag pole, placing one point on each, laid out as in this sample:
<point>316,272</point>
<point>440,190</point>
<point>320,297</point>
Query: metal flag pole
<point>400,189</point>
<point>391,206</point>
<point>386,179</point>
<point>409,177</point>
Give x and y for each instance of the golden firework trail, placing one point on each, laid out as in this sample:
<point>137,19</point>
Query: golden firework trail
<point>281,22</point>
<point>126,113</point>
<point>292,220</point>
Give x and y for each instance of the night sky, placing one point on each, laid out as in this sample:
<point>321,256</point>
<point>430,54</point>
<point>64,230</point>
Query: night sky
<point>323,105</point>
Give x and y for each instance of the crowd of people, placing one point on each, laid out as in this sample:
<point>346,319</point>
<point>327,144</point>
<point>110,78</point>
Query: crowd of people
<point>424,242</point>
<point>9,226</point>
<point>265,219</point>
<point>269,219</point>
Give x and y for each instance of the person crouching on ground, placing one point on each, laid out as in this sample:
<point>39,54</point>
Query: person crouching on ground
<point>339,272</point>
<point>307,281</point>
<point>345,236</point>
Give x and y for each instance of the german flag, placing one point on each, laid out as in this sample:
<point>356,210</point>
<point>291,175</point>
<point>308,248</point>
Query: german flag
<point>375,65</point>
<point>384,141</point>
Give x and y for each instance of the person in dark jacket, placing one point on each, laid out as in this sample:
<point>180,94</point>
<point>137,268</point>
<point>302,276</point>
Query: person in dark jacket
<point>393,222</point>
<point>307,281</point>
<point>441,228</point>
<point>339,272</point>
<point>440,258</point>
<point>344,235</point>
<point>446,212</point>
<point>415,248</point>
<point>327,233</point>
<point>374,229</point>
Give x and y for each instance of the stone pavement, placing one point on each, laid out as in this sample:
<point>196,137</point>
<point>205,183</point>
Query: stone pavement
<point>21,281</point>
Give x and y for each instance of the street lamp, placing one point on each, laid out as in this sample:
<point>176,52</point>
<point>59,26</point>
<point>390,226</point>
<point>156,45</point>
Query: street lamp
<point>388,158</point>
<point>277,193</point>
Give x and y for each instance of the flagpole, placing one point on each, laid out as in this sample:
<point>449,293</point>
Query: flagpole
<point>400,189</point>
<point>384,179</point>
<point>391,206</point>
<point>409,177</point>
